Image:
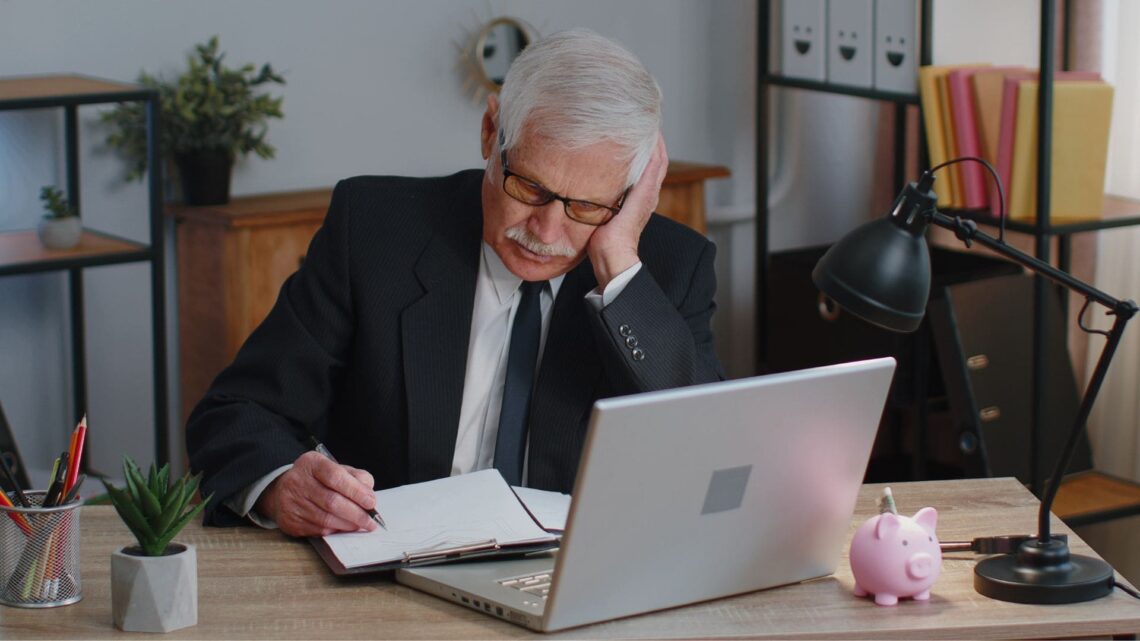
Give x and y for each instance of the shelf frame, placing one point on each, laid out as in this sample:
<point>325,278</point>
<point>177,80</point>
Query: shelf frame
<point>858,92</point>
<point>1118,212</point>
<point>18,250</point>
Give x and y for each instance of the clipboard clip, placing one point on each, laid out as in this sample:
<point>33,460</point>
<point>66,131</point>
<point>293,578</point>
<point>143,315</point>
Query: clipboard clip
<point>429,555</point>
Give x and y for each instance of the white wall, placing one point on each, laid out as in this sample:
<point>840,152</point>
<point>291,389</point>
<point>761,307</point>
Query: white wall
<point>373,87</point>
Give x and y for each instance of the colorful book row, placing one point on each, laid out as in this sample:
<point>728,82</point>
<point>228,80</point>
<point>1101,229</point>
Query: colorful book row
<point>991,112</point>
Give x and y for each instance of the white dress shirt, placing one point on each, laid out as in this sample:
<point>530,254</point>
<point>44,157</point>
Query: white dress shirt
<point>496,299</point>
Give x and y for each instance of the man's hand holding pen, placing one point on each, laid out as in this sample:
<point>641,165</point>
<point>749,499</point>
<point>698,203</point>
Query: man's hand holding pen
<point>319,496</point>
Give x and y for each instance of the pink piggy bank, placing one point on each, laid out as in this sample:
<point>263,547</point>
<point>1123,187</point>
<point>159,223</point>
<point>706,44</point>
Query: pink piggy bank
<point>896,556</point>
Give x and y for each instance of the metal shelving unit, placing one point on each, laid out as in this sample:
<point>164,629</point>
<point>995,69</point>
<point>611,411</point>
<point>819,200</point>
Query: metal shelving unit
<point>22,253</point>
<point>1118,212</point>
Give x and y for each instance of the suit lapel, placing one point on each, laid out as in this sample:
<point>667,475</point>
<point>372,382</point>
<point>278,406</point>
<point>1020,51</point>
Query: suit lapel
<point>435,331</point>
<point>567,382</point>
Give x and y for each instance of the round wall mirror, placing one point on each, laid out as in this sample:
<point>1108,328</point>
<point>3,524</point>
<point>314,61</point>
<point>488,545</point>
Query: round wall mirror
<point>494,48</point>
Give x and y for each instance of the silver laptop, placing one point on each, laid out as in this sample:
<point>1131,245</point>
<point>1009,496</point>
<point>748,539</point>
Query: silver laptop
<point>692,494</point>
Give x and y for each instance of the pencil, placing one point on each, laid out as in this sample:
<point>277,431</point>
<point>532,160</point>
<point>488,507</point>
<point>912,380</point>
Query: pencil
<point>15,516</point>
<point>78,437</point>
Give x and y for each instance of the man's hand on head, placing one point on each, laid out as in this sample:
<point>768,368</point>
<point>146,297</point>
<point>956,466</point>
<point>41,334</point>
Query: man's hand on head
<point>318,497</point>
<point>613,247</point>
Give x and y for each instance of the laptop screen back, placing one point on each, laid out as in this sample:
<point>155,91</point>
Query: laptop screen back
<point>701,492</point>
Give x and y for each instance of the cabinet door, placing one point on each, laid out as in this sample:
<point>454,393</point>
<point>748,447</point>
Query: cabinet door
<point>274,253</point>
<point>228,281</point>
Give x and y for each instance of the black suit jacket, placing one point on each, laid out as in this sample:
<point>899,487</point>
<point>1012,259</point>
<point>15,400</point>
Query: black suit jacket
<point>366,346</point>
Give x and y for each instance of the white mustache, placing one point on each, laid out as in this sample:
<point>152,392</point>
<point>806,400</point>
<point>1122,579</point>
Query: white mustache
<point>521,235</point>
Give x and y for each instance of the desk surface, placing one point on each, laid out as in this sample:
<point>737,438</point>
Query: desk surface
<point>258,584</point>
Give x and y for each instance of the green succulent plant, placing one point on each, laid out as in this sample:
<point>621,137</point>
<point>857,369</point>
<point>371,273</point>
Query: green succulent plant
<point>55,203</point>
<point>208,107</point>
<point>154,509</point>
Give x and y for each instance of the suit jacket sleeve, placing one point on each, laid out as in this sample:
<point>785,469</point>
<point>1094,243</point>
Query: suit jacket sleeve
<point>656,334</point>
<point>252,419</point>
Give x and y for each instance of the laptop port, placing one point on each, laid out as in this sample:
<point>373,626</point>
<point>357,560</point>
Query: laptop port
<point>465,599</point>
<point>499,611</point>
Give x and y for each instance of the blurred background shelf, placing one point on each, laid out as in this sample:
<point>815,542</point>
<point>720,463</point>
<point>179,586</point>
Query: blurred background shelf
<point>1118,212</point>
<point>22,253</point>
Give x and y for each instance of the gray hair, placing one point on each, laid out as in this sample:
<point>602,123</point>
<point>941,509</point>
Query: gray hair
<point>578,88</point>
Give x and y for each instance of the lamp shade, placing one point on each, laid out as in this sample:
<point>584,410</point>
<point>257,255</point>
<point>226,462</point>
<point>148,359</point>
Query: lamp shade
<point>879,272</point>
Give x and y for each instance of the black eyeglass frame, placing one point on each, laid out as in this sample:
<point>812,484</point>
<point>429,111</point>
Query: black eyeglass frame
<point>550,196</point>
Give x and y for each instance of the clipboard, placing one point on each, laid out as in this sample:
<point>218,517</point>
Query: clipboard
<point>479,550</point>
<point>456,518</point>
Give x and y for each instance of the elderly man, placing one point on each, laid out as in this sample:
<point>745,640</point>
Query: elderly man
<point>444,325</point>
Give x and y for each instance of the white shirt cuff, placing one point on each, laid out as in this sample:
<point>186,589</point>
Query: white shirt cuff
<point>598,300</point>
<point>243,502</point>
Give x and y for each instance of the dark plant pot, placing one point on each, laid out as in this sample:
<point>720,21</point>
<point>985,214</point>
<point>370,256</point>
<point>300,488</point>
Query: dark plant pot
<point>205,177</point>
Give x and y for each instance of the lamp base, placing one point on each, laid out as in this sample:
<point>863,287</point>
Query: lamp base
<point>1043,573</point>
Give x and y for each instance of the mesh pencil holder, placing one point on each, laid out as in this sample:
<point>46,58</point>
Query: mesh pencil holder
<point>39,554</point>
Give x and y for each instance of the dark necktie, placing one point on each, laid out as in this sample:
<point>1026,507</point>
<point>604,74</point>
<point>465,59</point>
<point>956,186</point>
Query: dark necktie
<point>521,359</point>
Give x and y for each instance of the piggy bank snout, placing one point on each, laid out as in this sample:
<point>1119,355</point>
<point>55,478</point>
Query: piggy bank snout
<point>920,566</point>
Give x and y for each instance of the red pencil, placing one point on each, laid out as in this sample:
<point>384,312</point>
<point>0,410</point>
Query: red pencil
<point>78,437</point>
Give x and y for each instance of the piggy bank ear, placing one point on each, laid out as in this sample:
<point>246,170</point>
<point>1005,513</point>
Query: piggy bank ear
<point>927,517</point>
<point>887,526</point>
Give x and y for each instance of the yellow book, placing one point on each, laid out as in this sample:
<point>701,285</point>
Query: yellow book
<point>1082,113</point>
<point>935,115</point>
<point>951,179</point>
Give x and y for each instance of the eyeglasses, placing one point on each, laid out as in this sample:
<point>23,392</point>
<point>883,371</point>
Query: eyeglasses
<point>531,193</point>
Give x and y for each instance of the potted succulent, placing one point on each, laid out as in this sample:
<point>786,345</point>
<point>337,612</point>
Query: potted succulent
<point>154,585</point>
<point>60,228</point>
<point>210,115</point>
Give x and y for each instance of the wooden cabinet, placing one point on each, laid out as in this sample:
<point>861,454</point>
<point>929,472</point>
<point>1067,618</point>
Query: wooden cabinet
<point>233,259</point>
<point>683,192</point>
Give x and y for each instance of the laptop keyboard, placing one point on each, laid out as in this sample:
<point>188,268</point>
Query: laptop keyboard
<point>535,584</point>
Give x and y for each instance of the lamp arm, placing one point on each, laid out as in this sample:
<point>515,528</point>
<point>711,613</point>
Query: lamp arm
<point>1091,392</point>
<point>967,232</point>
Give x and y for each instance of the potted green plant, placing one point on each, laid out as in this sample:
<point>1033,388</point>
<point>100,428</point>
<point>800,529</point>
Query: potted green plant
<point>154,585</point>
<point>210,115</point>
<point>60,228</point>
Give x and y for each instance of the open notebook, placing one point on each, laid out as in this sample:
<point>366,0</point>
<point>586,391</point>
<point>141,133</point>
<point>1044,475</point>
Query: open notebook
<point>466,516</point>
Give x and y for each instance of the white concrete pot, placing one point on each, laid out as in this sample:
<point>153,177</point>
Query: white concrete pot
<point>154,593</point>
<point>60,233</point>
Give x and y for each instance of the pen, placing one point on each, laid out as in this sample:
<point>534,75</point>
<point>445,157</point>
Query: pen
<point>59,474</point>
<point>7,471</point>
<point>71,494</point>
<point>320,448</point>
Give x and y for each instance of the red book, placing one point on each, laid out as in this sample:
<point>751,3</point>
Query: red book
<point>972,176</point>
<point>1008,126</point>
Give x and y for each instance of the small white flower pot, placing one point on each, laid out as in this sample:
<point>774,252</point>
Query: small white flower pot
<point>154,593</point>
<point>60,233</point>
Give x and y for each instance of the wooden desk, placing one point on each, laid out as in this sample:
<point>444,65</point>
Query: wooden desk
<point>233,258</point>
<point>258,584</point>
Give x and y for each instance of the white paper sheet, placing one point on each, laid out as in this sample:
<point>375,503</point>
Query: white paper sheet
<point>550,509</point>
<point>436,515</point>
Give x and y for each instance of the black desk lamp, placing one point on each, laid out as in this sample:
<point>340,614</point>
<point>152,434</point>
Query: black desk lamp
<point>881,272</point>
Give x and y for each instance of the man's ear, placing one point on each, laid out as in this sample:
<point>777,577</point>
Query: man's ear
<point>490,129</point>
